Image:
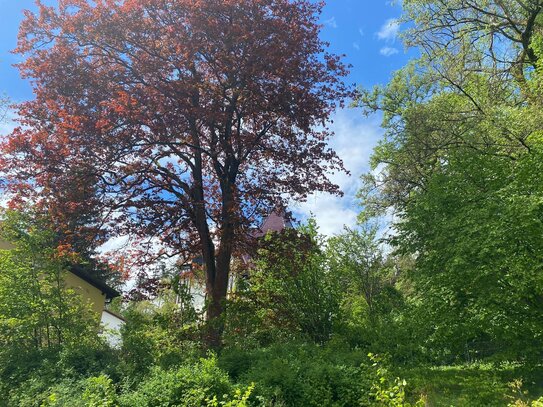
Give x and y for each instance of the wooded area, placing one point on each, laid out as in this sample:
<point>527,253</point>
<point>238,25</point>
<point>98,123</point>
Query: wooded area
<point>183,124</point>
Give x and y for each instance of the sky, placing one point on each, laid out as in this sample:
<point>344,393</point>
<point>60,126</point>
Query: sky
<point>366,31</point>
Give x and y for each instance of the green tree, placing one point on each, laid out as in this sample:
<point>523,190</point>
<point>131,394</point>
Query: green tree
<point>39,316</point>
<point>158,332</point>
<point>459,167</point>
<point>291,292</point>
<point>358,262</point>
<point>373,291</point>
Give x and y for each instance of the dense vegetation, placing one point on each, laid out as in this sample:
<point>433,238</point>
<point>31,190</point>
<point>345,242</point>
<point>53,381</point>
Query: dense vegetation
<point>445,309</point>
<point>331,323</point>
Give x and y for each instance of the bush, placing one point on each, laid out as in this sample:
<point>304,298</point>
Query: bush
<point>89,359</point>
<point>523,399</point>
<point>100,392</point>
<point>291,293</point>
<point>155,335</point>
<point>239,399</point>
<point>185,386</point>
<point>95,391</point>
<point>55,377</point>
<point>301,374</point>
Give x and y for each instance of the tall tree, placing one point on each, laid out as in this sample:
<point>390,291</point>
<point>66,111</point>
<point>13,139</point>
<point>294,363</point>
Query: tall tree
<point>179,120</point>
<point>292,293</point>
<point>460,164</point>
<point>355,256</point>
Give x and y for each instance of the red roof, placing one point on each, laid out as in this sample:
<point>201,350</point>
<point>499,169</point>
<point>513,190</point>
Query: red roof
<point>274,222</point>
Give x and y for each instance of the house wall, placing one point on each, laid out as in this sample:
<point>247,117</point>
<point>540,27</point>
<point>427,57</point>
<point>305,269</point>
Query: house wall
<point>198,292</point>
<point>197,289</point>
<point>112,325</point>
<point>89,293</point>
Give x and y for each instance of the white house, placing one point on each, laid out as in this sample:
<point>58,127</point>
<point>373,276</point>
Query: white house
<point>112,324</point>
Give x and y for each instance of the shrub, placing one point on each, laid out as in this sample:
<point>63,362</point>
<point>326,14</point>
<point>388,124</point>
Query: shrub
<point>239,399</point>
<point>291,293</point>
<point>301,374</point>
<point>88,359</point>
<point>155,335</point>
<point>100,392</point>
<point>520,397</point>
<point>387,390</point>
<point>186,386</point>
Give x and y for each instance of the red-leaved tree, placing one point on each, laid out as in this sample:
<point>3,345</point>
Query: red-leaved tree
<point>174,120</point>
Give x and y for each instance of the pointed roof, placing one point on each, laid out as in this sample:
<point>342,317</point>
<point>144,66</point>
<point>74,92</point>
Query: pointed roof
<point>276,221</point>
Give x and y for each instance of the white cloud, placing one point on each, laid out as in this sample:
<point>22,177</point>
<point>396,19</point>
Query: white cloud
<point>389,30</point>
<point>331,22</point>
<point>356,46</point>
<point>355,138</point>
<point>361,31</point>
<point>388,51</point>
<point>330,213</point>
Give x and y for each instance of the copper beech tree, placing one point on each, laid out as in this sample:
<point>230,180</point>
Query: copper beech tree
<point>180,121</point>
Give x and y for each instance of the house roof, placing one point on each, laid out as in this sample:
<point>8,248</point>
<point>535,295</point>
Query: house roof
<point>80,272</point>
<point>94,281</point>
<point>276,221</point>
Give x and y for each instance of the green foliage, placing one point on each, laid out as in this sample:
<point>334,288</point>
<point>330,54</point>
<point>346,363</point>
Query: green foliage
<point>363,296</point>
<point>370,299</point>
<point>291,294</point>
<point>62,393</point>
<point>481,269</point>
<point>388,391</point>
<point>478,385</point>
<point>36,310</point>
<point>239,399</point>
<point>301,374</point>
<point>459,166</point>
<point>88,358</point>
<point>56,377</point>
<point>95,391</point>
<point>523,399</point>
<point>44,327</point>
<point>156,333</point>
<point>99,392</point>
<point>311,375</point>
<point>190,385</point>
<point>357,261</point>
<point>533,403</point>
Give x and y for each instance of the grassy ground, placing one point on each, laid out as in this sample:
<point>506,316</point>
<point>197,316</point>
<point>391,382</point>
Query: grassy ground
<point>474,385</point>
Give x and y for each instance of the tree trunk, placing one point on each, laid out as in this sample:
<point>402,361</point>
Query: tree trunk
<point>217,276</point>
<point>213,304</point>
<point>216,303</point>
<point>217,288</point>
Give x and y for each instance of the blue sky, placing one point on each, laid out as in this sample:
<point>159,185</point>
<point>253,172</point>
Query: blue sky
<point>363,30</point>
